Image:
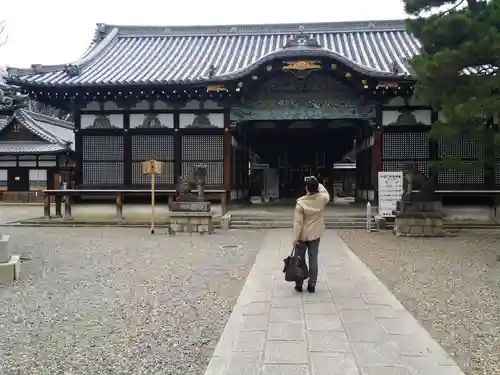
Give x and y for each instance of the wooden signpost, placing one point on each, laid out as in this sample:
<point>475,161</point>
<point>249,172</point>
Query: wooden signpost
<point>152,168</point>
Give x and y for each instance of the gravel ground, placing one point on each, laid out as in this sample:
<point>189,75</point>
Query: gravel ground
<point>451,285</point>
<point>119,301</point>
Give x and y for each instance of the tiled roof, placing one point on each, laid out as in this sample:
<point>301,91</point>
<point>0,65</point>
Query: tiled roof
<point>134,55</point>
<point>19,147</point>
<point>55,134</point>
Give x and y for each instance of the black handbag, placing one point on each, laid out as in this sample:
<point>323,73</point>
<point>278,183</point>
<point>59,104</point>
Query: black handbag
<point>295,268</point>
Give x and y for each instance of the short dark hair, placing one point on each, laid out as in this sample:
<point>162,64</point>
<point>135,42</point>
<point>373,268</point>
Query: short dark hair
<point>312,185</point>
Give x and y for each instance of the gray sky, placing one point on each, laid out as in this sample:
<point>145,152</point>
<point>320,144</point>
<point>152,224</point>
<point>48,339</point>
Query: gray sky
<point>57,31</point>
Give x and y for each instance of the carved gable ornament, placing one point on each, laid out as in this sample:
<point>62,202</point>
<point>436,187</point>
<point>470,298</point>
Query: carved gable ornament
<point>319,97</point>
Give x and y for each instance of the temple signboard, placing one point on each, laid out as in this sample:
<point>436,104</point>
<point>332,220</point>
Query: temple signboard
<point>390,191</point>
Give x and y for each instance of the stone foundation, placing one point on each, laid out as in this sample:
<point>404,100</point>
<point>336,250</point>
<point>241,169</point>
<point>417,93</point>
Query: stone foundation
<point>408,226</point>
<point>10,265</point>
<point>190,222</point>
<point>188,206</point>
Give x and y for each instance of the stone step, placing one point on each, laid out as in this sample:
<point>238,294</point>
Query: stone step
<point>278,226</point>
<point>290,223</point>
<point>290,217</point>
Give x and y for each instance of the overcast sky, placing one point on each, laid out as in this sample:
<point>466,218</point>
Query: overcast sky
<point>57,31</point>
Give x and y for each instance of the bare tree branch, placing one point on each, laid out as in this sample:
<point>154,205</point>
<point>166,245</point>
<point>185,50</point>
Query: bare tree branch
<point>3,32</point>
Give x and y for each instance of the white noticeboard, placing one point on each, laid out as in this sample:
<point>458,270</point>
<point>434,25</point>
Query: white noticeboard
<point>390,191</point>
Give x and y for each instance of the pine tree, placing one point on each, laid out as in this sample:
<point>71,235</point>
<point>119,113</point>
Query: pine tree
<point>457,69</point>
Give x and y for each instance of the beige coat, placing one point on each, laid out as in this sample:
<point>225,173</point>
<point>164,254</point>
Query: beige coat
<point>308,223</point>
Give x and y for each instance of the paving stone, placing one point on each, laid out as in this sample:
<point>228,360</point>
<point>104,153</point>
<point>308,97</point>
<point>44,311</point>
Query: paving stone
<point>262,296</point>
<point>217,366</point>
<point>286,352</point>
<point>285,370</point>
<point>257,308</point>
<point>365,333</point>
<point>244,364</point>
<point>254,322</point>
<point>358,316</point>
<point>286,314</point>
<point>333,364</point>
<point>376,299</point>
<point>321,295</point>
<point>356,303</point>
<point>410,345</point>
<point>294,301</point>
<point>399,326</point>
<point>327,341</point>
<point>429,366</point>
<point>386,312</point>
<point>323,323</point>
<point>286,332</point>
<point>352,320</point>
<point>320,308</point>
<point>385,370</point>
<point>250,341</point>
<point>383,298</point>
<point>368,353</point>
<point>340,291</point>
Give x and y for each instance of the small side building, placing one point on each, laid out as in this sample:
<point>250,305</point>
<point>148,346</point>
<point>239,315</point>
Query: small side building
<point>35,154</point>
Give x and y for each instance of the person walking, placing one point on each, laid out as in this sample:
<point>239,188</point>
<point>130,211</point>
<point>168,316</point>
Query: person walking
<point>308,226</point>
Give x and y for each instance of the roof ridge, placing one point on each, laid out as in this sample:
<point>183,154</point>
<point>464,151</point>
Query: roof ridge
<point>33,125</point>
<point>70,68</point>
<point>53,120</point>
<point>239,29</point>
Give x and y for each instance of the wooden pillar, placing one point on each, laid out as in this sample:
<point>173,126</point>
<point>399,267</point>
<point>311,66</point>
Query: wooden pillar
<point>177,150</point>
<point>78,149</point>
<point>377,157</point>
<point>127,150</point>
<point>227,154</point>
<point>119,205</point>
<point>67,206</point>
<point>58,198</point>
<point>46,206</point>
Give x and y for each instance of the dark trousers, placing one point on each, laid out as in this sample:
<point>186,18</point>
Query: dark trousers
<point>312,248</point>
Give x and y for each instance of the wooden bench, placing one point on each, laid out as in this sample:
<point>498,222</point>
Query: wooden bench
<point>69,193</point>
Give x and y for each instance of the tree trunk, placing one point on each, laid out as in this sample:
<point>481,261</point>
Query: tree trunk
<point>473,5</point>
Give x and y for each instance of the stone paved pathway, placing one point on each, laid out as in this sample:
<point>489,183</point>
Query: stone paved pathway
<point>352,325</point>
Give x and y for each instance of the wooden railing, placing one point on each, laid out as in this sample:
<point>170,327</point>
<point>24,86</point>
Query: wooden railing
<point>68,195</point>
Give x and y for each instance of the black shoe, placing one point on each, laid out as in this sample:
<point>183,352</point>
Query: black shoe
<point>311,289</point>
<point>298,288</point>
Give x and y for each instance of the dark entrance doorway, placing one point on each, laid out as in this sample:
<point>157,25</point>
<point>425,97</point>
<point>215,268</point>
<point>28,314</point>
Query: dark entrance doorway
<point>18,179</point>
<point>294,150</point>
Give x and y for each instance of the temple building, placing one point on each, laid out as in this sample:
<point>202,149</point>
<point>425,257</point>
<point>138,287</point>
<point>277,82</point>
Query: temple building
<point>36,150</point>
<point>293,98</point>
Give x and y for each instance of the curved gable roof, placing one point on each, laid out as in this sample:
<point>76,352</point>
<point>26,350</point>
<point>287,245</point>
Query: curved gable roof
<point>134,55</point>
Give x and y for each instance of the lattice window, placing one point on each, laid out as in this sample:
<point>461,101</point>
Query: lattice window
<point>405,146</point>
<point>166,178</point>
<point>102,148</point>
<point>103,173</point>
<point>497,172</point>
<point>102,160</point>
<point>158,147</point>
<point>215,171</point>
<point>464,149</point>
<point>202,148</point>
<point>399,165</point>
<point>474,176</point>
<point>460,148</point>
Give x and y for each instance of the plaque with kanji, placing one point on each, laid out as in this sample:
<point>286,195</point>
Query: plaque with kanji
<point>152,167</point>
